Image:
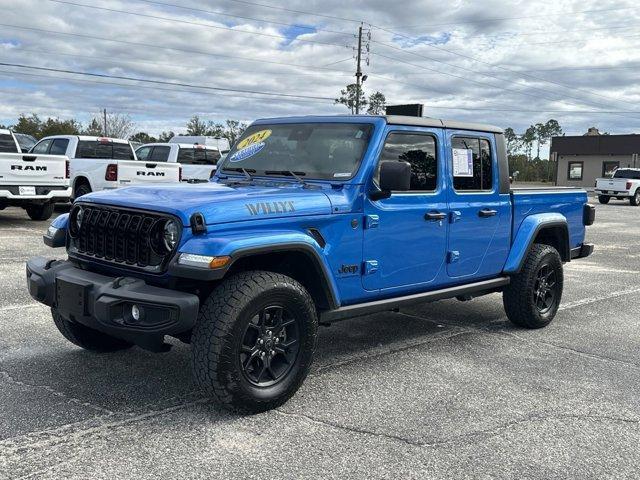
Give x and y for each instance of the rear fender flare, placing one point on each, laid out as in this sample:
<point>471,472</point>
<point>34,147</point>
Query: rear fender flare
<point>529,229</point>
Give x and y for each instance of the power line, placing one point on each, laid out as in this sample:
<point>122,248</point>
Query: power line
<point>500,19</point>
<point>200,24</point>
<point>273,22</point>
<point>290,10</point>
<point>162,82</point>
<point>541,79</point>
<point>177,49</point>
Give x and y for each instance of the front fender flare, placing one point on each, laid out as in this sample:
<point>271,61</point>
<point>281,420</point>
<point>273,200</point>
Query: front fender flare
<point>527,233</point>
<point>238,247</point>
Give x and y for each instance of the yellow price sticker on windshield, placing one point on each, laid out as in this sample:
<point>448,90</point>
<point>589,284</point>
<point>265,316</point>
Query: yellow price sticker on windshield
<point>254,138</point>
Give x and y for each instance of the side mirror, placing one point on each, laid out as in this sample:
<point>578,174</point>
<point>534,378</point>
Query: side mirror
<point>394,176</point>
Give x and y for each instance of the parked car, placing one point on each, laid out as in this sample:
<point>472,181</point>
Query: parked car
<point>309,220</point>
<point>100,163</point>
<point>32,182</point>
<point>198,162</point>
<point>625,184</point>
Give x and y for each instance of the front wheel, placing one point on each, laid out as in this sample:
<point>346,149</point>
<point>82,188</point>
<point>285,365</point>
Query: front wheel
<point>603,199</point>
<point>635,200</point>
<point>532,298</point>
<point>253,343</point>
<point>40,212</point>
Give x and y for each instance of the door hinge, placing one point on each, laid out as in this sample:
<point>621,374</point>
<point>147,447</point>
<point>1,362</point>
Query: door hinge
<point>454,216</point>
<point>370,266</point>
<point>453,256</point>
<point>371,221</point>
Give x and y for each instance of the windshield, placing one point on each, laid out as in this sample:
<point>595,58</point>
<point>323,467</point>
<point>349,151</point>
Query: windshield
<point>627,173</point>
<point>313,150</point>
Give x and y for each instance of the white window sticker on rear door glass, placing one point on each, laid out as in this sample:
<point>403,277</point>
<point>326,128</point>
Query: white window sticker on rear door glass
<point>462,162</point>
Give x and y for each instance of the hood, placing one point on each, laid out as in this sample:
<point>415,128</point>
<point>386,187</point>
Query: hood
<point>217,202</point>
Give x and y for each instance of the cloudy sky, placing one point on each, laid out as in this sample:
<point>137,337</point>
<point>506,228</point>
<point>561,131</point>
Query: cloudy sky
<point>507,63</point>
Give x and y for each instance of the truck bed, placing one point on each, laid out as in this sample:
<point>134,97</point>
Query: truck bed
<point>568,201</point>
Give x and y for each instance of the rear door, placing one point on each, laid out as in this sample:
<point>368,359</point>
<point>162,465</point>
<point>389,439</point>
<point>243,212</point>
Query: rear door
<point>480,217</point>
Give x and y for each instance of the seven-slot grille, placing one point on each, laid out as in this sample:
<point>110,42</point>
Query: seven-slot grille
<point>121,236</point>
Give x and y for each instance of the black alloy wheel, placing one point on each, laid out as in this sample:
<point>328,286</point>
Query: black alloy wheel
<point>270,346</point>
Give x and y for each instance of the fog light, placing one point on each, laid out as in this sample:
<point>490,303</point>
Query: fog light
<point>135,312</point>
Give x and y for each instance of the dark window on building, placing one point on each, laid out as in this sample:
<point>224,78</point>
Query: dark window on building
<point>478,174</point>
<point>608,168</point>
<point>59,146</point>
<point>7,144</point>
<point>574,170</point>
<point>160,154</point>
<point>417,149</point>
<point>42,147</point>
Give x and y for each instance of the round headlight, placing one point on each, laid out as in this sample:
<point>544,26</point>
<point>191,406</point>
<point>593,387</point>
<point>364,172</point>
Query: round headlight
<point>79,216</point>
<point>170,235</point>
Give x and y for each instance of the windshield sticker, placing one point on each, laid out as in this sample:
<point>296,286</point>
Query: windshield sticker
<point>254,138</point>
<point>246,152</point>
<point>342,174</point>
<point>462,162</point>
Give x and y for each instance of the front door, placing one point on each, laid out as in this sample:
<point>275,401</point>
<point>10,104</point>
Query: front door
<point>479,232</point>
<point>405,236</point>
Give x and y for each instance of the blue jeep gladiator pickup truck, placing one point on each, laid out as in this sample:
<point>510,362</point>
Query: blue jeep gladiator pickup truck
<point>307,221</point>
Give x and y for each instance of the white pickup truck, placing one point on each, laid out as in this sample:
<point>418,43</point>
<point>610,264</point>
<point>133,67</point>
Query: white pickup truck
<point>624,184</point>
<point>33,182</point>
<point>198,162</point>
<point>100,163</point>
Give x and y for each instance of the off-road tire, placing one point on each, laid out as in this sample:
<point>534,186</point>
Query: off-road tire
<point>40,212</point>
<point>635,200</point>
<point>87,338</point>
<point>81,189</point>
<point>519,297</point>
<point>603,199</point>
<point>218,335</point>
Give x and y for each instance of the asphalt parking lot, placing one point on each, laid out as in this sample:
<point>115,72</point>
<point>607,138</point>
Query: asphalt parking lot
<point>448,390</point>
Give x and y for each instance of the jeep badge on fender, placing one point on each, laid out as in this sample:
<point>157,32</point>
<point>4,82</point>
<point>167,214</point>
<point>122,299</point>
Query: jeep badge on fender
<point>246,266</point>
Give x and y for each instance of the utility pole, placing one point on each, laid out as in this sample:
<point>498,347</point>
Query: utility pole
<point>104,119</point>
<point>358,70</point>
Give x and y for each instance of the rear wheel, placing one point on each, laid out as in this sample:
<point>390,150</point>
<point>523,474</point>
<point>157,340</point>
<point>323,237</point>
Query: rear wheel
<point>603,199</point>
<point>86,337</point>
<point>40,212</point>
<point>635,200</point>
<point>532,298</point>
<point>254,341</point>
<point>81,189</point>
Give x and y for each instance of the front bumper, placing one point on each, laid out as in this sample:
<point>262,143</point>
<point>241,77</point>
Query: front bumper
<point>105,303</point>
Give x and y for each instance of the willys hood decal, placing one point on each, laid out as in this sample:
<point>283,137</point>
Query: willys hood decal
<point>217,202</point>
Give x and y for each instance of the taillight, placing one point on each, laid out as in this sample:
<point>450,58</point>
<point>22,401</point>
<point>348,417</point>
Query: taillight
<point>629,184</point>
<point>112,173</point>
<point>180,174</point>
<point>67,169</point>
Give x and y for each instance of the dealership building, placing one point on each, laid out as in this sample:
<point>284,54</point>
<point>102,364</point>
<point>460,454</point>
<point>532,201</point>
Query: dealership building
<point>582,159</point>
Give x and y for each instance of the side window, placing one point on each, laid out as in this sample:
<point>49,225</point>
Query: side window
<point>472,164</point>
<point>160,154</point>
<point>143,153</point>
<point>7,143</point>
<point>185,155</point>
<point>59,146</point>
<point>122,151</point>
<point>213,156</point>
<point>42,147</point>
<point>417,149</point>
<point>574,170</point>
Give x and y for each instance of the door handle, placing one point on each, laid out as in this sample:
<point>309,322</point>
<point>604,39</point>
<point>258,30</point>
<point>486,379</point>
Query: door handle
<point>434,216</point>
<point>486,212</point>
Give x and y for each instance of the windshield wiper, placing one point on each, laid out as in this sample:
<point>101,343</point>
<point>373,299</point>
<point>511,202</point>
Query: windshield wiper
<point>289,173</point>
<point>246,171</point>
